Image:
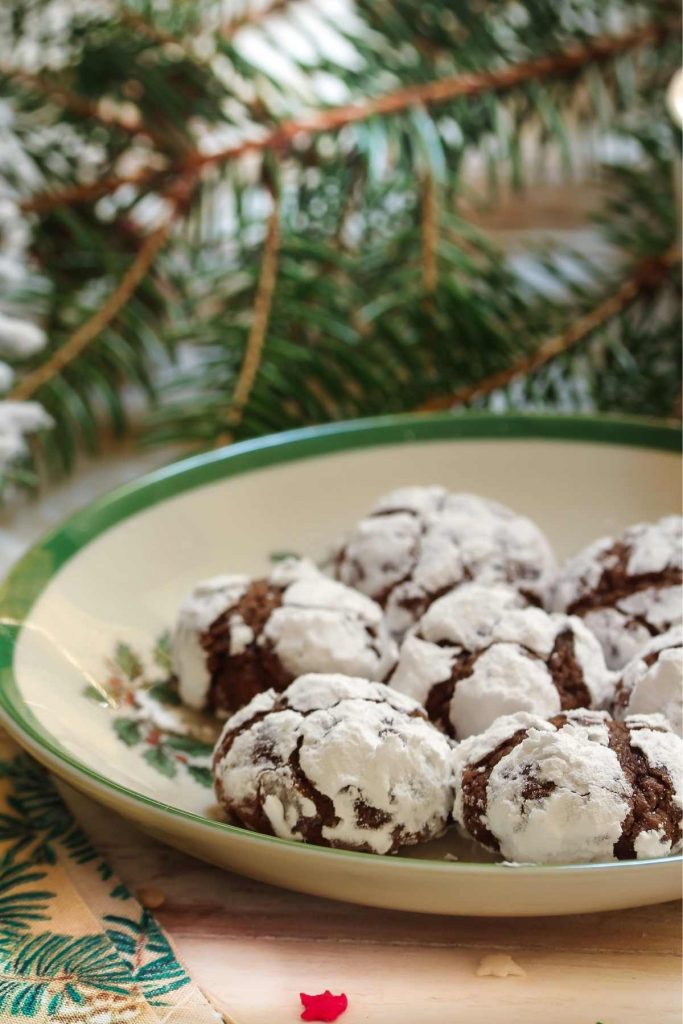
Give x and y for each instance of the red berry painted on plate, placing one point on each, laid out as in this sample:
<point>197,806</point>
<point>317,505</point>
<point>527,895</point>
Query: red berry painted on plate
<point>323,1007</point>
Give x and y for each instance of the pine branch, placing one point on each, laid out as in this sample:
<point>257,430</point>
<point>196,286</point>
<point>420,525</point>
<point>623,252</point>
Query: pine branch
<point>55,93</point>
<point>75,195</point>
<point>440,91</point>
<point>282,138</point>
<point>123,118</point>
<point>334,347</point>
<point>76,344</point>
<point>361,291</point>
<point>646,277</point>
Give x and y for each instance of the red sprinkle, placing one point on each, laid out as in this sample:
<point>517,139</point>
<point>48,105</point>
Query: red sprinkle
<point>323,1007</point>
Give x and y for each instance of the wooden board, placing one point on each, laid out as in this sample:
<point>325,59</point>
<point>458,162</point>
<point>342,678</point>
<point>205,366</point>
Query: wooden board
<point>253,948</point>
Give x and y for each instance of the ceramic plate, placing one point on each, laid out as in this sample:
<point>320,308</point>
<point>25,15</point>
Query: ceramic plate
<point>83,658</point>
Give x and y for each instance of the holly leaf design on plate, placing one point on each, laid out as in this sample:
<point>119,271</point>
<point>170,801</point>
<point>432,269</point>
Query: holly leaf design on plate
<point>162,652</point>
<point>128,661</point>
<point>169,741</point>
<point>96,696</point>
<point>200,775</point>
<point>128,730</point>
<point>161,761</point>
<point>165,692</point>
<point>189,745</point>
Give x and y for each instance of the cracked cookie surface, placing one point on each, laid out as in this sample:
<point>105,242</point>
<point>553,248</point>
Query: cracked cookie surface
<point>628,589</point>
<point>418,543</point>
<point>336,761</point>
<point>237,636</point>
<point>652,682</point>
<point>479,653</point>
<point>579,787</point>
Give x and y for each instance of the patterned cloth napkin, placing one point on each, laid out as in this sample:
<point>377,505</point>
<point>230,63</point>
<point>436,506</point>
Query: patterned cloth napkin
<point>75,946</point>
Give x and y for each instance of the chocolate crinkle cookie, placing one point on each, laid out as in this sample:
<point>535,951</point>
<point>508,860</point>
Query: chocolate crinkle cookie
<point>237,636</point>
<point>479,653</point>
<point>417,543</point>
<point>629,589</point>
<point>577,788</point>
<point>652,682</point>
<point>336,761</point>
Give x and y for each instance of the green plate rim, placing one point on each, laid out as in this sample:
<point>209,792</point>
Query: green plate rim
<point>36,569</point>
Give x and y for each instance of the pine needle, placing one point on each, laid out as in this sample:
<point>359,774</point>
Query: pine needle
<point>646,277</point>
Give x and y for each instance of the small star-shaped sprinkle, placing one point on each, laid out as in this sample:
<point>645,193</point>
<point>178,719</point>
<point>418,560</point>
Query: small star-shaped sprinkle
<point>323,1007</point>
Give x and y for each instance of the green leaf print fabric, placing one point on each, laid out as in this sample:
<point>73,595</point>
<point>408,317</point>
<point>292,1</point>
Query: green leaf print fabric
<point>75,946</point>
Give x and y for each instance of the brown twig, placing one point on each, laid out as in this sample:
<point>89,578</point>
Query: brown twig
<point>442,90</point>
<point>77,342</point>
<point>430,235</point>
<point>72,101</point>
<point>282,137</point>
<point>259,324</point>
<point>645,277</point>
<point>74,195</point>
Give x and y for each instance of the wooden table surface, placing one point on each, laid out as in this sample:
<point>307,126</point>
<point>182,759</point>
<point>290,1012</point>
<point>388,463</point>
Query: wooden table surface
<point>252,948</point>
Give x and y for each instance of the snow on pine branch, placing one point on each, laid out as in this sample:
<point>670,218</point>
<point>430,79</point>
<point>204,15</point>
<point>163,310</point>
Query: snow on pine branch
<point>19,339</point>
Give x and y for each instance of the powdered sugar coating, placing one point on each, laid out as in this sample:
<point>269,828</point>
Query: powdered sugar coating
<point>479,653</point>
<point>661,746</point>
<point>322,622</point>
<point>653,681</point>
<point>199,609</point>
<point>338,761</point>
<point>651,843</point>
<point>569,790</point>
<point>318,625</point>
<point>628,589</point>
<point>419,542</point>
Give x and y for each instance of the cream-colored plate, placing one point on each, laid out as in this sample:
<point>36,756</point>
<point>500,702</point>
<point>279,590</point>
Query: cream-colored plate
<point>116,571</point>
